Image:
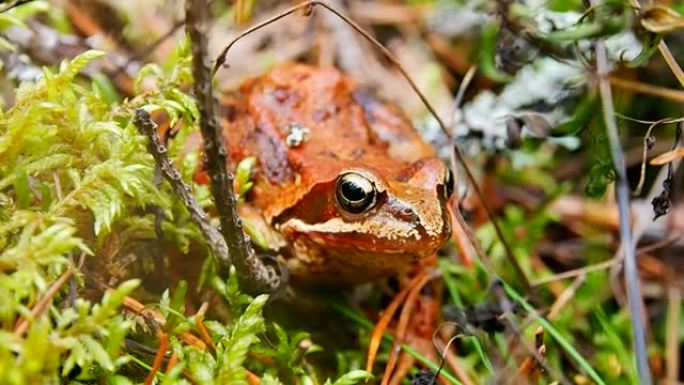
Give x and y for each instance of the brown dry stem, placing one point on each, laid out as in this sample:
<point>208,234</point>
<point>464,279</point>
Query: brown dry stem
<point>254,275</point>
<point>211,235</point>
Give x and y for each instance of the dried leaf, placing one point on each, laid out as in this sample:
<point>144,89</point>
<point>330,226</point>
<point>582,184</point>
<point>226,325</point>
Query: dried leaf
<point>661,19</point>
<point>667,157</point>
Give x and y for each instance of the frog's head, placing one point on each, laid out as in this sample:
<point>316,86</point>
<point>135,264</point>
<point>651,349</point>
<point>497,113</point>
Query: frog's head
<point>366,222</point>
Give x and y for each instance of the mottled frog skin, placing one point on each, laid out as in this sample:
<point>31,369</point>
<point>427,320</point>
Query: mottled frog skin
<point>344,186</point>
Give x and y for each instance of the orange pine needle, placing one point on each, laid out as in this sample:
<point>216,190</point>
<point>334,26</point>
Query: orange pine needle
<point>203,331</point>
<point>667,157</point>
<point>402,326</point>
<point>381,325</point>
<point>173,360</point>
<point>159,357</point>
<point>42,304</point>
<point>136,307</point>
<point>252,379</point>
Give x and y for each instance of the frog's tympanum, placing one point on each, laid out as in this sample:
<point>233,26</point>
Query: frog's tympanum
<point>344,185</point>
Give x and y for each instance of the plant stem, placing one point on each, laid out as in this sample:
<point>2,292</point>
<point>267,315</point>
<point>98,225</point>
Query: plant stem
<point>254,275</point>
<point>211,235</point>
<point>622,193</point>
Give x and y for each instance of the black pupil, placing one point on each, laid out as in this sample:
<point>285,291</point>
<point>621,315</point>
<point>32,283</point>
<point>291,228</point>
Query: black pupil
<point>449,183</point>
<point>353,191</point>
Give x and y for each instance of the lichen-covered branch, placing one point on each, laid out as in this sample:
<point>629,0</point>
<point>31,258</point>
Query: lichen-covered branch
<point>254,275</point>
<point>211,235</point>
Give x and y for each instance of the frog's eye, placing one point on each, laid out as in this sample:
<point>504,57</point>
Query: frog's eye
<point>448,183</point>
<point>355,193</point>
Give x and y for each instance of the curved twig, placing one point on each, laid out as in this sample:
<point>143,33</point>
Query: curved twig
<point>644,154</point>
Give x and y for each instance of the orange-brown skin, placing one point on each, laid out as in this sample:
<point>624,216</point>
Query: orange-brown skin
<point>295,185</point>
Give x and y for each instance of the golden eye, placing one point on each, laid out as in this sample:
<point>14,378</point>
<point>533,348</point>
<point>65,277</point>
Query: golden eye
<point>355,193</point>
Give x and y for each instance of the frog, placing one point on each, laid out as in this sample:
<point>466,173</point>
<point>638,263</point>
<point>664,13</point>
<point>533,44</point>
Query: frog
<point>344,188</point>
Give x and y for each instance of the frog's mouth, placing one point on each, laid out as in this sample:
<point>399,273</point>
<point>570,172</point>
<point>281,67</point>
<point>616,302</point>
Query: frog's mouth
<point>382,235</point>
<point>354,257</point>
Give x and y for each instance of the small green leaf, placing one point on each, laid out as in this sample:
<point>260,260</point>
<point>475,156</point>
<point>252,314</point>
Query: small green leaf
<point>104,88</point>
<point>490,34</point>
<point>353,377</point>
<point>7,45</point>
<point>243,335</point>
<point>268,379</point>
<point>243,173</point>
<point>256,236</point>
<point>21,189</point>
<point>8,20</point>
<point>118,379</point>
<point>69,69</point>
<point>97,353</point>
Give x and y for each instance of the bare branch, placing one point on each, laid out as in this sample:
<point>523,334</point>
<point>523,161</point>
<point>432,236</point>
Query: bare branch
<point>211,235</point>
<point>254,275</point>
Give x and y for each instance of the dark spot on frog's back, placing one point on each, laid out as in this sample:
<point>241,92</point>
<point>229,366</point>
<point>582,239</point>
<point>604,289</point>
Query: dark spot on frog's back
<point>358,153</point>
<point>325,113</point>
<point>328,154</point>
<point>286,96</point>
<point>229,108</point>
<point>367,101</point>
<point>406,174</point>
<point>273,158</point>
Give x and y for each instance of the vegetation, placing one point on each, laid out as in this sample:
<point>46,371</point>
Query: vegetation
<point>105,277</point>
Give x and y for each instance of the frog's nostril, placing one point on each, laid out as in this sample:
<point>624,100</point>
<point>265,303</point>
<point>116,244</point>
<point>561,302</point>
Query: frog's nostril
<point>407,211</point>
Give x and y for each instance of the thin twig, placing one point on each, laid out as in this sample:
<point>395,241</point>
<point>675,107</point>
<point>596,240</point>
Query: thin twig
<point>448,356</point>
<point>13,4</point>
<point>575,272</point>
<point>308,6</point>
<point>43,303</point>
<point>622,193</point>
<point>465,82</point>
<point>672,354</point>
<point>648,89</point>
<point>254,275</point>
<point>145,51</point>
<point>644,154</point>
<point>211,235</point>
<point>159,357</point>
<point>565,297</point>
<point>671,62</point>
<point>641,121</point>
